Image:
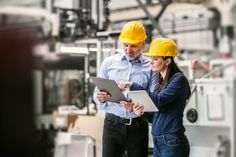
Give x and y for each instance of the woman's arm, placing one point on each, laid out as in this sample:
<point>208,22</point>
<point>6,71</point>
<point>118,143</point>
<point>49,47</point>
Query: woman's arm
<point>177,86</point>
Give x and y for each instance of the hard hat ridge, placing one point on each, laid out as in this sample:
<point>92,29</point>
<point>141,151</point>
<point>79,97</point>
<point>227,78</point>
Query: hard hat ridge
<point>133,32</point>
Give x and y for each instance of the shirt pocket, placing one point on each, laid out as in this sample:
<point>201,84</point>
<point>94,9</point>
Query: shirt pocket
<point>118,74</point>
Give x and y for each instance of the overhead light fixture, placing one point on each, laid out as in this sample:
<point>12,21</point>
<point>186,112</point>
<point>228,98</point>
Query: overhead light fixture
<point>72,50</point>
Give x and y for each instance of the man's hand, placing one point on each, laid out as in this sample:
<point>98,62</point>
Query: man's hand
<point>102,96</point>
<point>128,105</point>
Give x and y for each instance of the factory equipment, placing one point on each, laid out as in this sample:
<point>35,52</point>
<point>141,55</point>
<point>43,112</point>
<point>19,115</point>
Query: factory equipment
<point>75,20</point>
<point>63,77</point>
<point>81,18</point>
<point>192,20</point>
<point>226,43</point>
<point>193,68</point>
<point>60,75</point>
<point>223,67</point>
<point>214,127</point>
<point>63,84</point>
<point>209,116</point>
<point>62,20</point>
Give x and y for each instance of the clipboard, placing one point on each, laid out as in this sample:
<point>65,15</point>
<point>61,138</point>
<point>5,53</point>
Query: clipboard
<point>142,97</point>
<point>109,86</point>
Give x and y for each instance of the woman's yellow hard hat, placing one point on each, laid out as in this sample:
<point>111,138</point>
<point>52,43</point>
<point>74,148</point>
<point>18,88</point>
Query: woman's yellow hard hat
<point>162,47</point>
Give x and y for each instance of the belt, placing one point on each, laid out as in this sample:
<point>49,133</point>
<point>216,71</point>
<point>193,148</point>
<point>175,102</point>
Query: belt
<point>121,120</point>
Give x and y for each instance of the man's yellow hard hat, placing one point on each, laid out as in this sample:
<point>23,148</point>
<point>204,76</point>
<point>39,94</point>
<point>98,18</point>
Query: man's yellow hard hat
<point>162,47</point>
<point>133,32</point>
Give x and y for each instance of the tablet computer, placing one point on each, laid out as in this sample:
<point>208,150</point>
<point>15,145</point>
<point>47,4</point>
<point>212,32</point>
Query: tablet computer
<point>142,97</point>
<point>109,86</point>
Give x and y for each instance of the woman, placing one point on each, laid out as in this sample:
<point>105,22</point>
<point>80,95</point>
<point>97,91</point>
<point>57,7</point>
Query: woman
<point>173,91</point>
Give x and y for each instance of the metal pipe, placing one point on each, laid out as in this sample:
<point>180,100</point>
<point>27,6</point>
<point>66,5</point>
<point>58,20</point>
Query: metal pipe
<point>86,80</point>
<point>154,22</point>
<point>217,70</point>
<point>98,13</point>
<point>164,6</point>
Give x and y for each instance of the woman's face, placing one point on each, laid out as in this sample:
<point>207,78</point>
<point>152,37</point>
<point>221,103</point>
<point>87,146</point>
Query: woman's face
<point>159,64</point>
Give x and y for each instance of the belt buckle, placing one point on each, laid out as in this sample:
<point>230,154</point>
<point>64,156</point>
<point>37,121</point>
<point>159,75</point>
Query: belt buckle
<point>130,121</point>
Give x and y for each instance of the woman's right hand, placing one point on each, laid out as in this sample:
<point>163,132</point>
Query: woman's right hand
<point>127,105</point>
<point>138,109</point>
<point>124,85</point>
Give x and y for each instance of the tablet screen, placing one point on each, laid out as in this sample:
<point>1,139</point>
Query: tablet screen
<point>109,86</point>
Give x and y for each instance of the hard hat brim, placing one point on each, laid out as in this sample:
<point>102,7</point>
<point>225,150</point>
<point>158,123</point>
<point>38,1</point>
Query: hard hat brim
<point>155,55</point>
<point>149,54</point>
<point>130,41</point>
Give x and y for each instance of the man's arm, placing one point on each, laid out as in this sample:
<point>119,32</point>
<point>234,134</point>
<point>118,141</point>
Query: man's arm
<point>99,97</point>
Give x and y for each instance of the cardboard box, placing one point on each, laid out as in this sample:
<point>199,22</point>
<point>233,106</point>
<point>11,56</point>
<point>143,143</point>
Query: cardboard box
<point>63,120</point>
<point>90,126</point>
<point>74,145</point>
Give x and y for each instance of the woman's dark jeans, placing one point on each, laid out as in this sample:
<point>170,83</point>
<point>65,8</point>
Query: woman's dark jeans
<point>171,145</point>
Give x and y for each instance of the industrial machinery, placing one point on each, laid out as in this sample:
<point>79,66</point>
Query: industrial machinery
<point>81,19</point>
<point>61,66</point>
<point>79,34</point>
<point>209,116</point>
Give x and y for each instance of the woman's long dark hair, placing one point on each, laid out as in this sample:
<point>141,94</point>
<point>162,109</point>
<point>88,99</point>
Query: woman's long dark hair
<point>171,70</point>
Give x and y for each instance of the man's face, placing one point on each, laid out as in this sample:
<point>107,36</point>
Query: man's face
<point>133,51</point>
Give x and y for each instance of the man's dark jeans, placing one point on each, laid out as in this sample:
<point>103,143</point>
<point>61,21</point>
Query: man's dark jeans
<point>119,137</point>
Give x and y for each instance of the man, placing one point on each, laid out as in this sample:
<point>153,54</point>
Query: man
<point>125,131</point>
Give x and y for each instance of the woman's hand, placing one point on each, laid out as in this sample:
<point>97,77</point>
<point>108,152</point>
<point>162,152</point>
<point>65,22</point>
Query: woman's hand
<point>102,96</point>
<point>128,105</point>
<point>138,109</point>
<point>124,85</point>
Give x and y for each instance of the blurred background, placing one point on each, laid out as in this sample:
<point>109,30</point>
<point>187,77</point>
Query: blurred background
<point>50,48</point>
